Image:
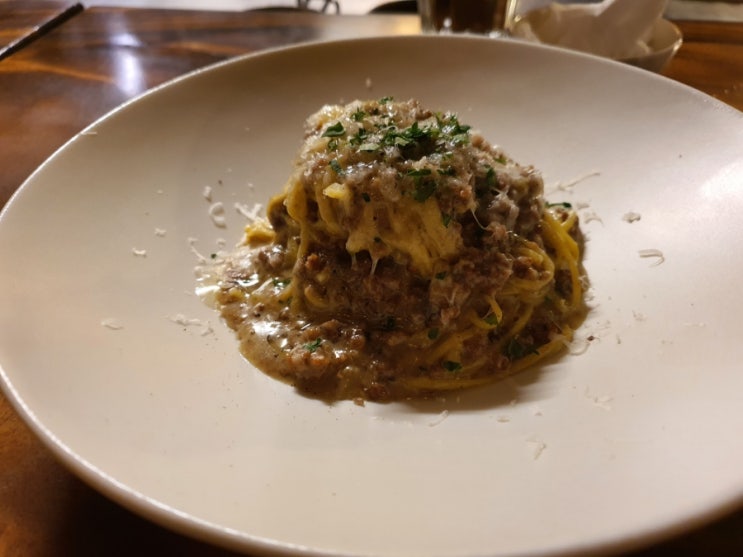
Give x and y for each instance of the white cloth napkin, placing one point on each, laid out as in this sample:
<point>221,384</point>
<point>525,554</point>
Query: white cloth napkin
<point>612,28</point>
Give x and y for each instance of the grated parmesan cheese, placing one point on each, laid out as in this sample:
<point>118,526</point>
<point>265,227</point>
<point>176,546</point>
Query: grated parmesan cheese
<point>160,232</point>
<point>216,213</point>
<point>591,216</point>
<point>186,322</point>
<point>652,252</point>
<point>250,213</point>
<point>192,246</point>
<point>139,252</point>
<point>441,417</point>
<point>538,446</point>
<point>568,186</point>
<point>207,193</point>
<point>631,217</point>
<point>112,323</point>
<point>602,401</point>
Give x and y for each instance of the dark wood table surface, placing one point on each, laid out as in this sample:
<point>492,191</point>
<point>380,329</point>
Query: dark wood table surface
<point>70,74</point>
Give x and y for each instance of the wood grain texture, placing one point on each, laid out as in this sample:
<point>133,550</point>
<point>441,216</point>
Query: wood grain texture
<point>56,86</point>
<point>711,60</point>
<point>19,17</point>
<point>64,81</point>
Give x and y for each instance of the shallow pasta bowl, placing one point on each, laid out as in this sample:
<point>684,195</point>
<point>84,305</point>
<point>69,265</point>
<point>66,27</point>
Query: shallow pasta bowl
<point>136,386</point>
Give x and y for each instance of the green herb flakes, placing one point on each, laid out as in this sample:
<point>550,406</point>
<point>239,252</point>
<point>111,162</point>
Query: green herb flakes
<point>490,177</point>
<point>335,165</point>
<point>419,172</point>
<point>451,366</point>
<point>336,130</point>
<point>516,350</point>
<point>280,282</point>
<point>424,190</point>
<point>312,347</point>
<point>491,319</point>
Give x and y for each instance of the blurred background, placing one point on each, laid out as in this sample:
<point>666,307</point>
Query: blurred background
<point>731,10</point>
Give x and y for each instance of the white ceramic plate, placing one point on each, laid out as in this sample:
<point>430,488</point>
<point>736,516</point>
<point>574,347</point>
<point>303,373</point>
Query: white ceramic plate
<point>140,389</point>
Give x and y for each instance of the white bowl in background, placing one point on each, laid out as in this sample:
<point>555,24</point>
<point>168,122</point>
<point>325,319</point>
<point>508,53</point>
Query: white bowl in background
<point>665,40</point>
<point>651,52</point>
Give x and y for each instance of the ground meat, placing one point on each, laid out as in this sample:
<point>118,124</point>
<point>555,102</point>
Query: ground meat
<point>397,261</point>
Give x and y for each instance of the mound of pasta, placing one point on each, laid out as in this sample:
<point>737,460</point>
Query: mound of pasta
<point>406,256</point>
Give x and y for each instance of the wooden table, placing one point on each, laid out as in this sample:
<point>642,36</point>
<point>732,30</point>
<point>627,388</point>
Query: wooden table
<point>72,74</point>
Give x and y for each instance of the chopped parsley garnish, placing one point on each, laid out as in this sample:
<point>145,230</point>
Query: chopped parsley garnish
<point>280,282</point>
<point>491,319</point>
<point>424,187</point>
<point>336,166</point>
<point>450,127</point>
<point>490,177</point>
<point>420,139</point>
<point>433,333</point>
<point>414,138</point>
<point>385,100</point>
<point>423,190</point>
<point>366,197</point>
<point>445,219</point>
<point>336,130</point>
<point>441,275</point>
<point>516,350</point>
<point>563,204</point>
<point>451,366</point>
<point>313,346</point>
<point>418,172</point>
<point>359,137</point>
<point>460,139</point>
<point>416,133</point>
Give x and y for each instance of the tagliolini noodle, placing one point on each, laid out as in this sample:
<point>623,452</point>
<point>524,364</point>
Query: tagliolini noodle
<point>406,256</point>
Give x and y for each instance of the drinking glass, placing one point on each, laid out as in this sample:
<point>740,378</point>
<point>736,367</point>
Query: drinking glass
<point>486,17</point>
